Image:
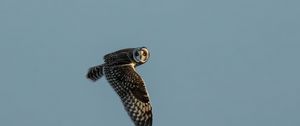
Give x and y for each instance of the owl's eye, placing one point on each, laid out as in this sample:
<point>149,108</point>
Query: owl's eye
<point>136,53</point>
<point>144,53</point>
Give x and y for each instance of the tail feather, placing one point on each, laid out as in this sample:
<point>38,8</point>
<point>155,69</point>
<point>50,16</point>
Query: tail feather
<point>95,73</point>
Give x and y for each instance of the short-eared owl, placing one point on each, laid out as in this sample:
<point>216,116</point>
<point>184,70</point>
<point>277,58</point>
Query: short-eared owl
<point>119,70</point>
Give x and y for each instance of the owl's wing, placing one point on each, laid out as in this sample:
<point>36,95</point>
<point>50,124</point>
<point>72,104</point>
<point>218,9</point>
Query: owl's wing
<point>95,73</point>
<point>132,91</point>
<point>115,56</point>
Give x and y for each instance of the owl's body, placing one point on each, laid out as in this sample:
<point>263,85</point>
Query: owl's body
<point>119,70</point>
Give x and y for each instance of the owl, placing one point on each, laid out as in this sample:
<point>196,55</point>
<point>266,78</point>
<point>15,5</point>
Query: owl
<point>119,70</point>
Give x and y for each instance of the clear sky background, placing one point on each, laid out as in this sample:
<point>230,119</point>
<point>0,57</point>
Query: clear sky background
<point>213,62</point>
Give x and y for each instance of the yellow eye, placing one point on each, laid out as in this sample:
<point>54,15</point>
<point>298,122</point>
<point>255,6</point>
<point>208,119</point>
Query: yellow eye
<point>144,53</point>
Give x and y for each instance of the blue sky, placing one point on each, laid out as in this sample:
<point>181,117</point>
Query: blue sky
<point>213,63</point>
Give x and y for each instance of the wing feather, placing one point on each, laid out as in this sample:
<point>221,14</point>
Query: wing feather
<point>95,73</point>
<point>131,88</point>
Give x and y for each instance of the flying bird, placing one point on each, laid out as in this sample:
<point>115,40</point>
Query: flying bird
<point>119,70</point>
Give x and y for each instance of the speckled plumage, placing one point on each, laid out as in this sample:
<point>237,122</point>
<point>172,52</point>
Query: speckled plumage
<point>119,70</point>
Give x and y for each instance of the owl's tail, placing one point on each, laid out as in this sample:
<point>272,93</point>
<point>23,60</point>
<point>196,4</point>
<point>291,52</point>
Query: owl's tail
<point>95,73</point>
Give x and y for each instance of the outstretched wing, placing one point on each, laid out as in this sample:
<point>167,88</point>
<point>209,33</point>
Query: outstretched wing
<point>95,73</point>
<point>132,91</point>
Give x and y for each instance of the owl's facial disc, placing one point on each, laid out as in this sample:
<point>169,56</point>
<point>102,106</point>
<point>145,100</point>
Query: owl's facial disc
<point>141,55</point>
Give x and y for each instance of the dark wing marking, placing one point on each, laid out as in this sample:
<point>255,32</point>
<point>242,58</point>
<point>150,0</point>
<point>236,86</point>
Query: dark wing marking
<point>95,73</point>
<point>132,91</point>
<point>118,56</point>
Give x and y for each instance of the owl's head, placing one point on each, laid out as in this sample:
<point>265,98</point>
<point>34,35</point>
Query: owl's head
<point>140,55</point>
